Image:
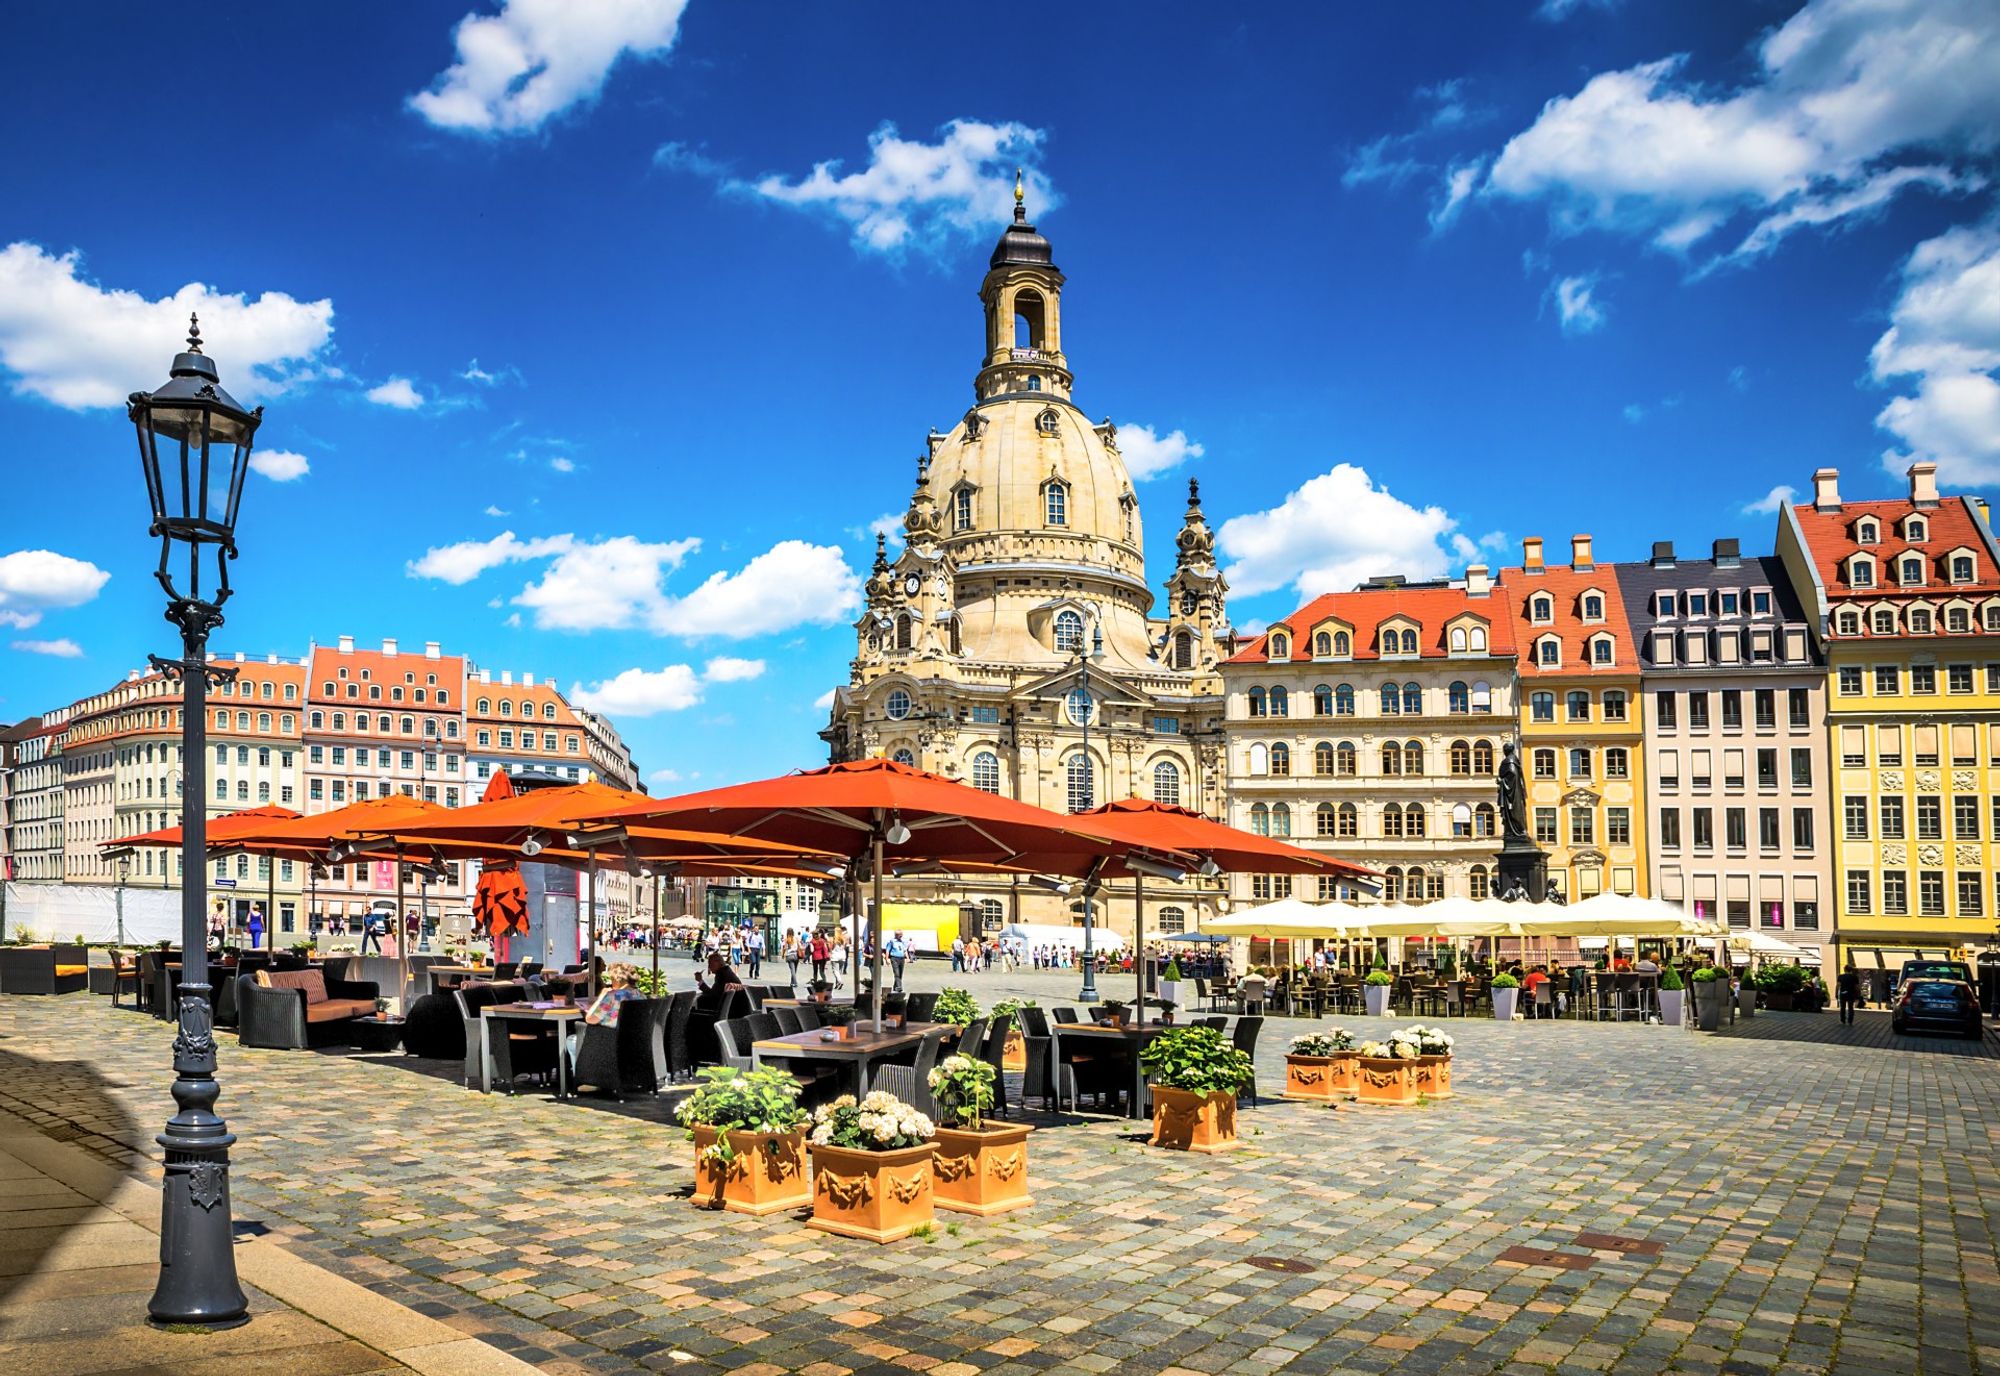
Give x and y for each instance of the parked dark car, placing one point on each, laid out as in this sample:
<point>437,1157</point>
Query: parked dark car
<point>1935,969</point>
<point>1944,1005</point>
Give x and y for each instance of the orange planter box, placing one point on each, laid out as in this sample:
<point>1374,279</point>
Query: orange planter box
<point>1320,1079</point>
<point>876,1195</point>
<point>1434,1076</point>
<point>1015,1055</point>
<point>767,1176</point>
<point>983,1172</point>
<point>1386,1080</point>
<point>1186,1121</point>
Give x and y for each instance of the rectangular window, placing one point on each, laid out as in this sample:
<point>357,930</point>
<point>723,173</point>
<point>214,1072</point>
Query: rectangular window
<point>1669,771</point>
<point>1853,746</point>
<point>1971,895</point>
<point>1801,766</point>
<point>1930,893</point>
<point>1855,811</point>
<point>1768,835</point>
<point>1542,706</point>
<point>1732,769</point>
<point>1732,709</point>
<point>1857,892</point>
<point>1760,604</point>
<point>1739,913</point>
<point>1618,826</point>
<point>1958,678</point>
<point>1802,830</point>
<point>1965,819</point>
<point>988,716</point>
<point>1545,826</point>
<point>1925,746</point>
<point>1725,604</point>
<point>1582,826</point>
<point>1805,914</point>
<point>1895,892</point>
<point>1923,678</point>
<point>1888,681</point>
<point>1799,703</point>
<point>1735,828</point>
<point>1964,743</point>
<point>1701,769</point>
<point>1889,746</point>
<point>1766,704</point>
<point>1930,819</point>
<point>1670,828</point>
<point>315,790</point>
<point>340,754</point>
<point>316,755</point>
<point>1992,675</point>
<point>1892,819</point>
<point>1850,682</point>
<point>1666,714</point>
<point>1165,726</point>
<point>1704,829</point>
<point>1697,711</point>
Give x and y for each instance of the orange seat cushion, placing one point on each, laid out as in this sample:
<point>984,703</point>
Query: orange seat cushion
<point>312,981</point>
<point>339,1010</point>
<point>62,970</point>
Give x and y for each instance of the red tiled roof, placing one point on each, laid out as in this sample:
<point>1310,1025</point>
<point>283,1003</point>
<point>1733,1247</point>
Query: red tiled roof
<point>1830,538</point>
<point>538,694</point>
<point>1566,587</point>
<point>388,671</point>
<point>1365,609</point>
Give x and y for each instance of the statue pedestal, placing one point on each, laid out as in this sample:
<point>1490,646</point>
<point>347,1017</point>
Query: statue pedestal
<point>1522,865</point>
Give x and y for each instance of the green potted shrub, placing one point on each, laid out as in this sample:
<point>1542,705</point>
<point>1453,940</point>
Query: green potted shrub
<point>1673,995</point>
<point>977,1166</point>
<point>1170,982</point>
<point>1781,985</point>
<point>749,1134</point>
<point>1506,992</point>
<point>1196,1074</point>
<point>1015,1054</point>
<point>957,1007</point>
<point>820,989</point>
<point>840,1021</point>
<point>1114,1011</point>
<point>871,1168</point>
<point>1710,992</point>
<point>1321,1067</point>
<point>1375,990</point>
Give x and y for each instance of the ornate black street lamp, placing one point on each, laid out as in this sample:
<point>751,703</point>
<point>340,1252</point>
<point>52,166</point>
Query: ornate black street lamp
<point>194,443</point>
<point>1088,993</point>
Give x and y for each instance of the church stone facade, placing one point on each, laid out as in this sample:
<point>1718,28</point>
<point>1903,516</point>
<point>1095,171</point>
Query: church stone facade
<point>1022,583</point>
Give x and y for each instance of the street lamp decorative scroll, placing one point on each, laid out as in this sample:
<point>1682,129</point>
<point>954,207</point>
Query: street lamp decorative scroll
<point>194,436</point>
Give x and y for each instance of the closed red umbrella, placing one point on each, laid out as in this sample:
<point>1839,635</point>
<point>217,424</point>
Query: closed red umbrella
<point>500,905</point>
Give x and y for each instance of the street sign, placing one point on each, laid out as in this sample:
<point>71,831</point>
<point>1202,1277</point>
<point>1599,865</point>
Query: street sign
<point>225,883</point>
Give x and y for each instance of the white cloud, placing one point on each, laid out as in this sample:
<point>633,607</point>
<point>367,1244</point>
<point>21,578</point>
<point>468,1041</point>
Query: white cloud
<point>824,702</point>
<point>641,692</point>
<point>492,510</point>
<point>792,583</point>
<point>483,377</point>
<point>33,581</point>
<point>1577,305</point>
<point>1335,531</point>
<point>398,392</point>
<point>1739,379</point>
<point>664,776</point>
<point>461,563</point>
<point>536,58</point>
<point>279,465</point>
<point>1461,179</point>
<point>922,196</point>
<point>60,649</point>
<point>562,464</point>
<point>1555,11</point>
<point>889,525</point>
<point>608,585</point>
<point>1148,455</point>
<point>1945,332</point>
<point>1844,88</point>
<point>725,669</point>
<point>72,342</point>
<point>1768,504</point>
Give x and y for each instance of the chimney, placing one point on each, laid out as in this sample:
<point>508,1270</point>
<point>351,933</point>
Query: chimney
<point>131,675</point>
<point>389,647</point>
<point>239,656</point>
<point>1579,552</point>
<point>507,678</point>
<point>1923,484</point>
<point>1531,554</point>
<point>1663,554</point>
<point>1478,580</point>
<point>1985,516</point>
<point>1728,554</point>
<point>431,649</point>
<point>527,680</point>
<point>270,659</point>
<point>347,644</point>
<point>486,676</point>
<point>1826,489</point>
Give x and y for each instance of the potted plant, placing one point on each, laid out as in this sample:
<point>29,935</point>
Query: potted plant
<point>840,1021</point>
<point>1170,982</point>
<point>1114,1012</point>
<point>1196,1074</point>
<point>1014,1056</point>
<point>1781,986</point>
<point>1506,990</point>
<point>1321,1067</point>
<point>1673,994</point>
<point>1433,1060</point>
<point>1710,990</point>
<point>957,1007</point>
<point>749,1139</point>
<point>1746,996</point>
<point>1375,990</point>
<point>1388,1070</point>
<point>871,1168</point>
<point>977,1167</point>
<point>821,990</point>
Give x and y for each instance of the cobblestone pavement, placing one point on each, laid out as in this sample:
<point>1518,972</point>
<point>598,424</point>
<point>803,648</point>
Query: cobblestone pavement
<point>1805,1204</point>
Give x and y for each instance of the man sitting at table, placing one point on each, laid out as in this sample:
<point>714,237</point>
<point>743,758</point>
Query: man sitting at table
<point>714,995</point>
<point>1534,980</point>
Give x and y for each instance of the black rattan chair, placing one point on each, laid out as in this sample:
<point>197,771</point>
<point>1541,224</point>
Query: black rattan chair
<point>1244,1036</point>
<point>629,1058</point>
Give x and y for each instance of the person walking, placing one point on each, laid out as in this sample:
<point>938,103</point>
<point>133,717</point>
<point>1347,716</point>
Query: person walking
<point>371,930</point>
<point>839,961</point>
<point>822,952</point>
<point>1849,986</point>
<point>898,952</point>
<point>790,951</point>
<point>756,948</point>
<point>256,928</point>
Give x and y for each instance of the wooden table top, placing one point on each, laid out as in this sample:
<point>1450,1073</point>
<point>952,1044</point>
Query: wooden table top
<point>861,1041</point>
<point>522,1010</point>
<point>1151,1028</point>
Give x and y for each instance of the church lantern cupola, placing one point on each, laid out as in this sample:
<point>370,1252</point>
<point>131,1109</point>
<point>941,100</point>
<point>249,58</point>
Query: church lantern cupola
<point>1023,296</point>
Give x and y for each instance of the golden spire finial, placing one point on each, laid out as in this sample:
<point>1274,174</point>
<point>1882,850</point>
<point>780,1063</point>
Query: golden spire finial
<point>1020,190</point>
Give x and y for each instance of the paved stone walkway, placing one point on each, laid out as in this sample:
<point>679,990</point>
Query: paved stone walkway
<point>1807,1205</point>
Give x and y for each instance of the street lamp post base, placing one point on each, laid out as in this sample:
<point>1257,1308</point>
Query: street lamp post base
<point>1088,994</point>
<point>198,1283</point>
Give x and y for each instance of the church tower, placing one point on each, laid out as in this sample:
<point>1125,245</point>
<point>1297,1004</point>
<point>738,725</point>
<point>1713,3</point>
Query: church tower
<point>1023,296</point>
<point>1197,612</point>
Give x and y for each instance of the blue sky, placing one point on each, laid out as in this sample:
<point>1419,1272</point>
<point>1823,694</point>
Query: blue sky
<point>574,361</point>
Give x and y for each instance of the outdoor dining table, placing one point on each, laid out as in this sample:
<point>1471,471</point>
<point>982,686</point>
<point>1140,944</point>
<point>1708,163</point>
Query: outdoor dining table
<point>861,1050</point>
<point>525,1012</point>
<point>458,973</point>
<point>1128,1035</point>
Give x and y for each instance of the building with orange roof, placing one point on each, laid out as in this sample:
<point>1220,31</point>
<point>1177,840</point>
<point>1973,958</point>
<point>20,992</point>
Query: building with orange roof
<point>1582,740</point>
<point>1368,723</point>
<point>1904,596</point>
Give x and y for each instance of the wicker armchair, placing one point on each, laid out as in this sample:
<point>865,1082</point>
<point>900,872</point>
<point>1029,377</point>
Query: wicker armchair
<point>911,1083</point>
<point>1244,1037</point>
<point>280,1018</point>
<point>680,1057</point>
<point>628,1058</point>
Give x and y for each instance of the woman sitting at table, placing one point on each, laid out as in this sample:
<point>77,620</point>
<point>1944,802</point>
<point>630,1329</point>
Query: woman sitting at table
<point>623,986</point>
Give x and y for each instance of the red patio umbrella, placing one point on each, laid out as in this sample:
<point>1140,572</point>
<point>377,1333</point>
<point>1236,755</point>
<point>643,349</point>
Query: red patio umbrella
<point>219,831</point>
<point>886,812</point>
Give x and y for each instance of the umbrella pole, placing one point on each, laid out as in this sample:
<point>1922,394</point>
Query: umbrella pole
<point>659,886</point>
<point>875,929</point>
<point>1138,941</point>
<point>591,927</point>
<point>271,904</point>
<point>402,944</point>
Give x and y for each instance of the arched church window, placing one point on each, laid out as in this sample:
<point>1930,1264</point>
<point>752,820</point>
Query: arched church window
<point>986,772</point>
<point>1069,632</point>
<point>1034,382</point>
<point>1055,503</point>
<point>952,639</point>
<point>906,756</point>
<point>1184,651</point>
<point>905,632</point>
<point>1048,421</point>
<point>962,509</point>
<point>1167,783</point>
<point>1080,785</point>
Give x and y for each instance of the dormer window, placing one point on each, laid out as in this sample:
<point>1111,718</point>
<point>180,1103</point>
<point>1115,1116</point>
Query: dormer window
<point>1916,530</point>
<point>1958,620</point>
<point>1055,501</point>
<point>1322,645</point>
<point>1666,604</point>
<point>1726,604</point>
<point>1593,607</point>
<point>961,509</point>
<point>1885,621</point>
<point>1962,568</point>
<point>1861,571</point>
<point>1920,621</point>
<point>1866,532</point>
<point>1457,639</point>
<point>1281,647</point>
<point>1602,649</point>
<point>1068,632</point>
<point>1548,651</point>
<point>1910,571</point>
<point>1342,644</point>
<point>1697,604</point>
<point>1541,610</point>
<point>1760,603</point>
<point>1850,623</point>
